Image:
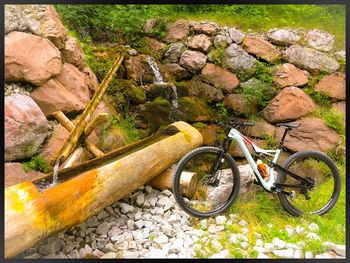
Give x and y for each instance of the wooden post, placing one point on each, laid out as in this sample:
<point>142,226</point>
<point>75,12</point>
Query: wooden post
<point>66,123</point>
<point>71,141</point>
<point>188,182</point>
<point>99,119</point>
<point>75,157</point>
<point>31,215</point>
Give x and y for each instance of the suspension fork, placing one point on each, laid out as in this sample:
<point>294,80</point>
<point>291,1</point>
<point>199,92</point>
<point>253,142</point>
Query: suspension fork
<point>219,161</point>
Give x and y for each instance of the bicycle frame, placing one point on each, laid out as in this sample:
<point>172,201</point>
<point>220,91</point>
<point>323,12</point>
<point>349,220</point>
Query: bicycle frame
<point>240,139</point>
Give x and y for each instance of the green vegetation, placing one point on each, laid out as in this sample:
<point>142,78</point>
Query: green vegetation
<point>263,72</point>
<point>217,55</point>
<point>332,119</point>
<point>271,141</point>
<point>221,113</point>
<point>124,22</point>
<point>318,97</point>
<point>37,163</point>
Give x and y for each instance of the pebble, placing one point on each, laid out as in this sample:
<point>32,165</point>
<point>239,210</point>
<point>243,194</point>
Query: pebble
<point>284,253</point>
<point>243,223</point>
<point>309,254</point>
<point>313,227</point>
<point>221,220</point>
<point>110,255</point>
<point>312,236</point>
<point>279,243</point>
<point>103,228</point>
<point>299,229</point>
<point>262,255</point>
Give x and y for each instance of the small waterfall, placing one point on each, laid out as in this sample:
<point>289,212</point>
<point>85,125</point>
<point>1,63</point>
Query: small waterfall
<point>55,173</point>
<point>157,75</point>
<point>158,79</point>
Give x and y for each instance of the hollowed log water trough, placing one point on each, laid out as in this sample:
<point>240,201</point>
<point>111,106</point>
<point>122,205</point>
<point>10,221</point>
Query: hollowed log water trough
<point>33,213</point>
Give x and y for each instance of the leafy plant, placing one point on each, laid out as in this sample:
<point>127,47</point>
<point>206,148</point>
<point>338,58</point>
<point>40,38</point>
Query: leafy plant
<point>263,72</point>
<point>217,55</point>
<point>37,163</point>
<point>221,112</point>
<point>318,97</point>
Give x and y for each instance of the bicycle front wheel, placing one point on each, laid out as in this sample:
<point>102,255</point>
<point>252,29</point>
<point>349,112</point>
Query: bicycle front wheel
<point>322,171</point>
<point>204,198</point>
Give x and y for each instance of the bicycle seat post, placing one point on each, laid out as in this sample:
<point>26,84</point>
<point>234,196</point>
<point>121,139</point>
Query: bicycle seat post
<point>284,136</point>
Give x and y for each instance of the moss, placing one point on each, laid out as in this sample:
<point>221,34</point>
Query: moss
<point>37,163</point>
<point>193,111</point>
<point>181,88</point>
<point>137,95</point>
<point>199,125</point>
<point>156,113</point>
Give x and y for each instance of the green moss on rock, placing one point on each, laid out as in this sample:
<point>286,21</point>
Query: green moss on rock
<point>194,111</point>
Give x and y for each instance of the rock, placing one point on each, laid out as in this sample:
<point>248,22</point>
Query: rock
<point>193,61</point>
<point>161,239</point>
<point>339,249</point>
<point>72,53</point>
<point>240,105</point>
<point>333,86</point>
<point>313,134</point>
<point>340,55</point>
<point>259,243</point>
<point>261,129</point>
<point>206,28</point>
<point>290,104</point>
<point>125,208</point>
<point>284,37</point>
<point>155,45</point>
<point>284,253</point>
<point>261,48</point>
<point>310,59</point>
<point>320,40</point>
<point>35,62</point>
<point>262,255</point>
<point>220,78</point>
<point>279,243</point>
<point>222,254</point>
<point>238,60</point>
<point>25,127</point>
<point>313,227</point>
<point>14,174</point>
<point>130,224</point>
<point>259,249</point>
<point>313,236</point>
<point>110,139</point>
<point>156,253</point>
<point>132,52</point>
<point>299,230</point>
<point>53,96</point>
<point>103,228</point>
<point>203,90</point>
<point>177,31</point>
<point>74,81</point>
<point>339,108</point>
<point>139,70</point>
<point>298,254</point>
<point>46,23</point>
<point>243,223</point>
<point>109,255</point>
<point>14,19</point>
<point>199,42</point>
<point>289,75</point>
<point>269,247</point>
<point>216,245</point>
<point>172,55</point>
<point>91,80</point>
<point>51,246</point>
<point>220,220</point>
<point>290,230</point>
<point>114,231</point>
<point>140,199</point>
<point>309,254</point>
<point>178,72</point>
<point>236,35</point>
<point>222,41</point>
<point>149,25</point>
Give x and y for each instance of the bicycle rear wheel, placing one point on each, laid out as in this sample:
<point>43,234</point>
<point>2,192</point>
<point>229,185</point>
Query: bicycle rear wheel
<point>322,171</point>
<point>207,200</point>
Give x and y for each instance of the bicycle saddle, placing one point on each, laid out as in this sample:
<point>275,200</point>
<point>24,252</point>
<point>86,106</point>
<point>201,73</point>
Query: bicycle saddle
<point>289,125</point>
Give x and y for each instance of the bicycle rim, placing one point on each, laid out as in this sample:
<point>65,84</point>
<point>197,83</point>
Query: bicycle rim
<point>321,195</point>
<point>197,196</point>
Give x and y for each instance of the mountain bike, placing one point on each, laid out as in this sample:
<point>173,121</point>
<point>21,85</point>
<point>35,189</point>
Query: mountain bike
<point>306,182</point>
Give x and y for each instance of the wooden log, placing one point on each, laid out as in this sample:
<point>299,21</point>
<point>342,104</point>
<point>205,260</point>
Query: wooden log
<point>59,115</point>
<point>71,141</point>
<point>98,120</point>
<point>189,182</point>
<point>31,215</point>
<point>75,157</point>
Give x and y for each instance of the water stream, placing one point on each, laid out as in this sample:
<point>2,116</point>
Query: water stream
<point>158,79</point>
<point>55,173</point>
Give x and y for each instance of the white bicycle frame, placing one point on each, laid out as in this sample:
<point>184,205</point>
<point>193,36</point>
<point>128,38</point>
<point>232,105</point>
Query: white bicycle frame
<point>240,139</point>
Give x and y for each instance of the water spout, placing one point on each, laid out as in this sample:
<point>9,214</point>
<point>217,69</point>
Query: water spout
<point>157,75</point>
<point>55,173</point>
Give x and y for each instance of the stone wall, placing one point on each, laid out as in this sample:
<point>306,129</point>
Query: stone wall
<point>45,71</point>
<point>212,64</point>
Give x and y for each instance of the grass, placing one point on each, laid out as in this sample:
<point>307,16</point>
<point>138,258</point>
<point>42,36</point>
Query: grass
<point>331,118</point>
<point>37,163</point>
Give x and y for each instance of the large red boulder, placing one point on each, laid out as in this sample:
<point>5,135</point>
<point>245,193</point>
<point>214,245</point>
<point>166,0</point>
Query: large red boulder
<point>193,61</point>
<point>53,96</point>
<point>290,104</point>
<point>72,53</point>
<point>200,42</point>
<point>206,28</point>
<point>333,86</point>
<point>26,127</point>
<point>91,80</point>
<point>15,174</point>
<point>289,75</point>
<point>312,134</point>
<point>30,58</point>
<point>75,82</point>
<point>220,78</point>
<point>261,48</point>
<point>240,105</point>
<point>177,31</point>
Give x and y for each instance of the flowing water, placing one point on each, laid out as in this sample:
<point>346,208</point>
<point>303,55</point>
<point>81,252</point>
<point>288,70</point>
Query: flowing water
<point>158,79</point>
